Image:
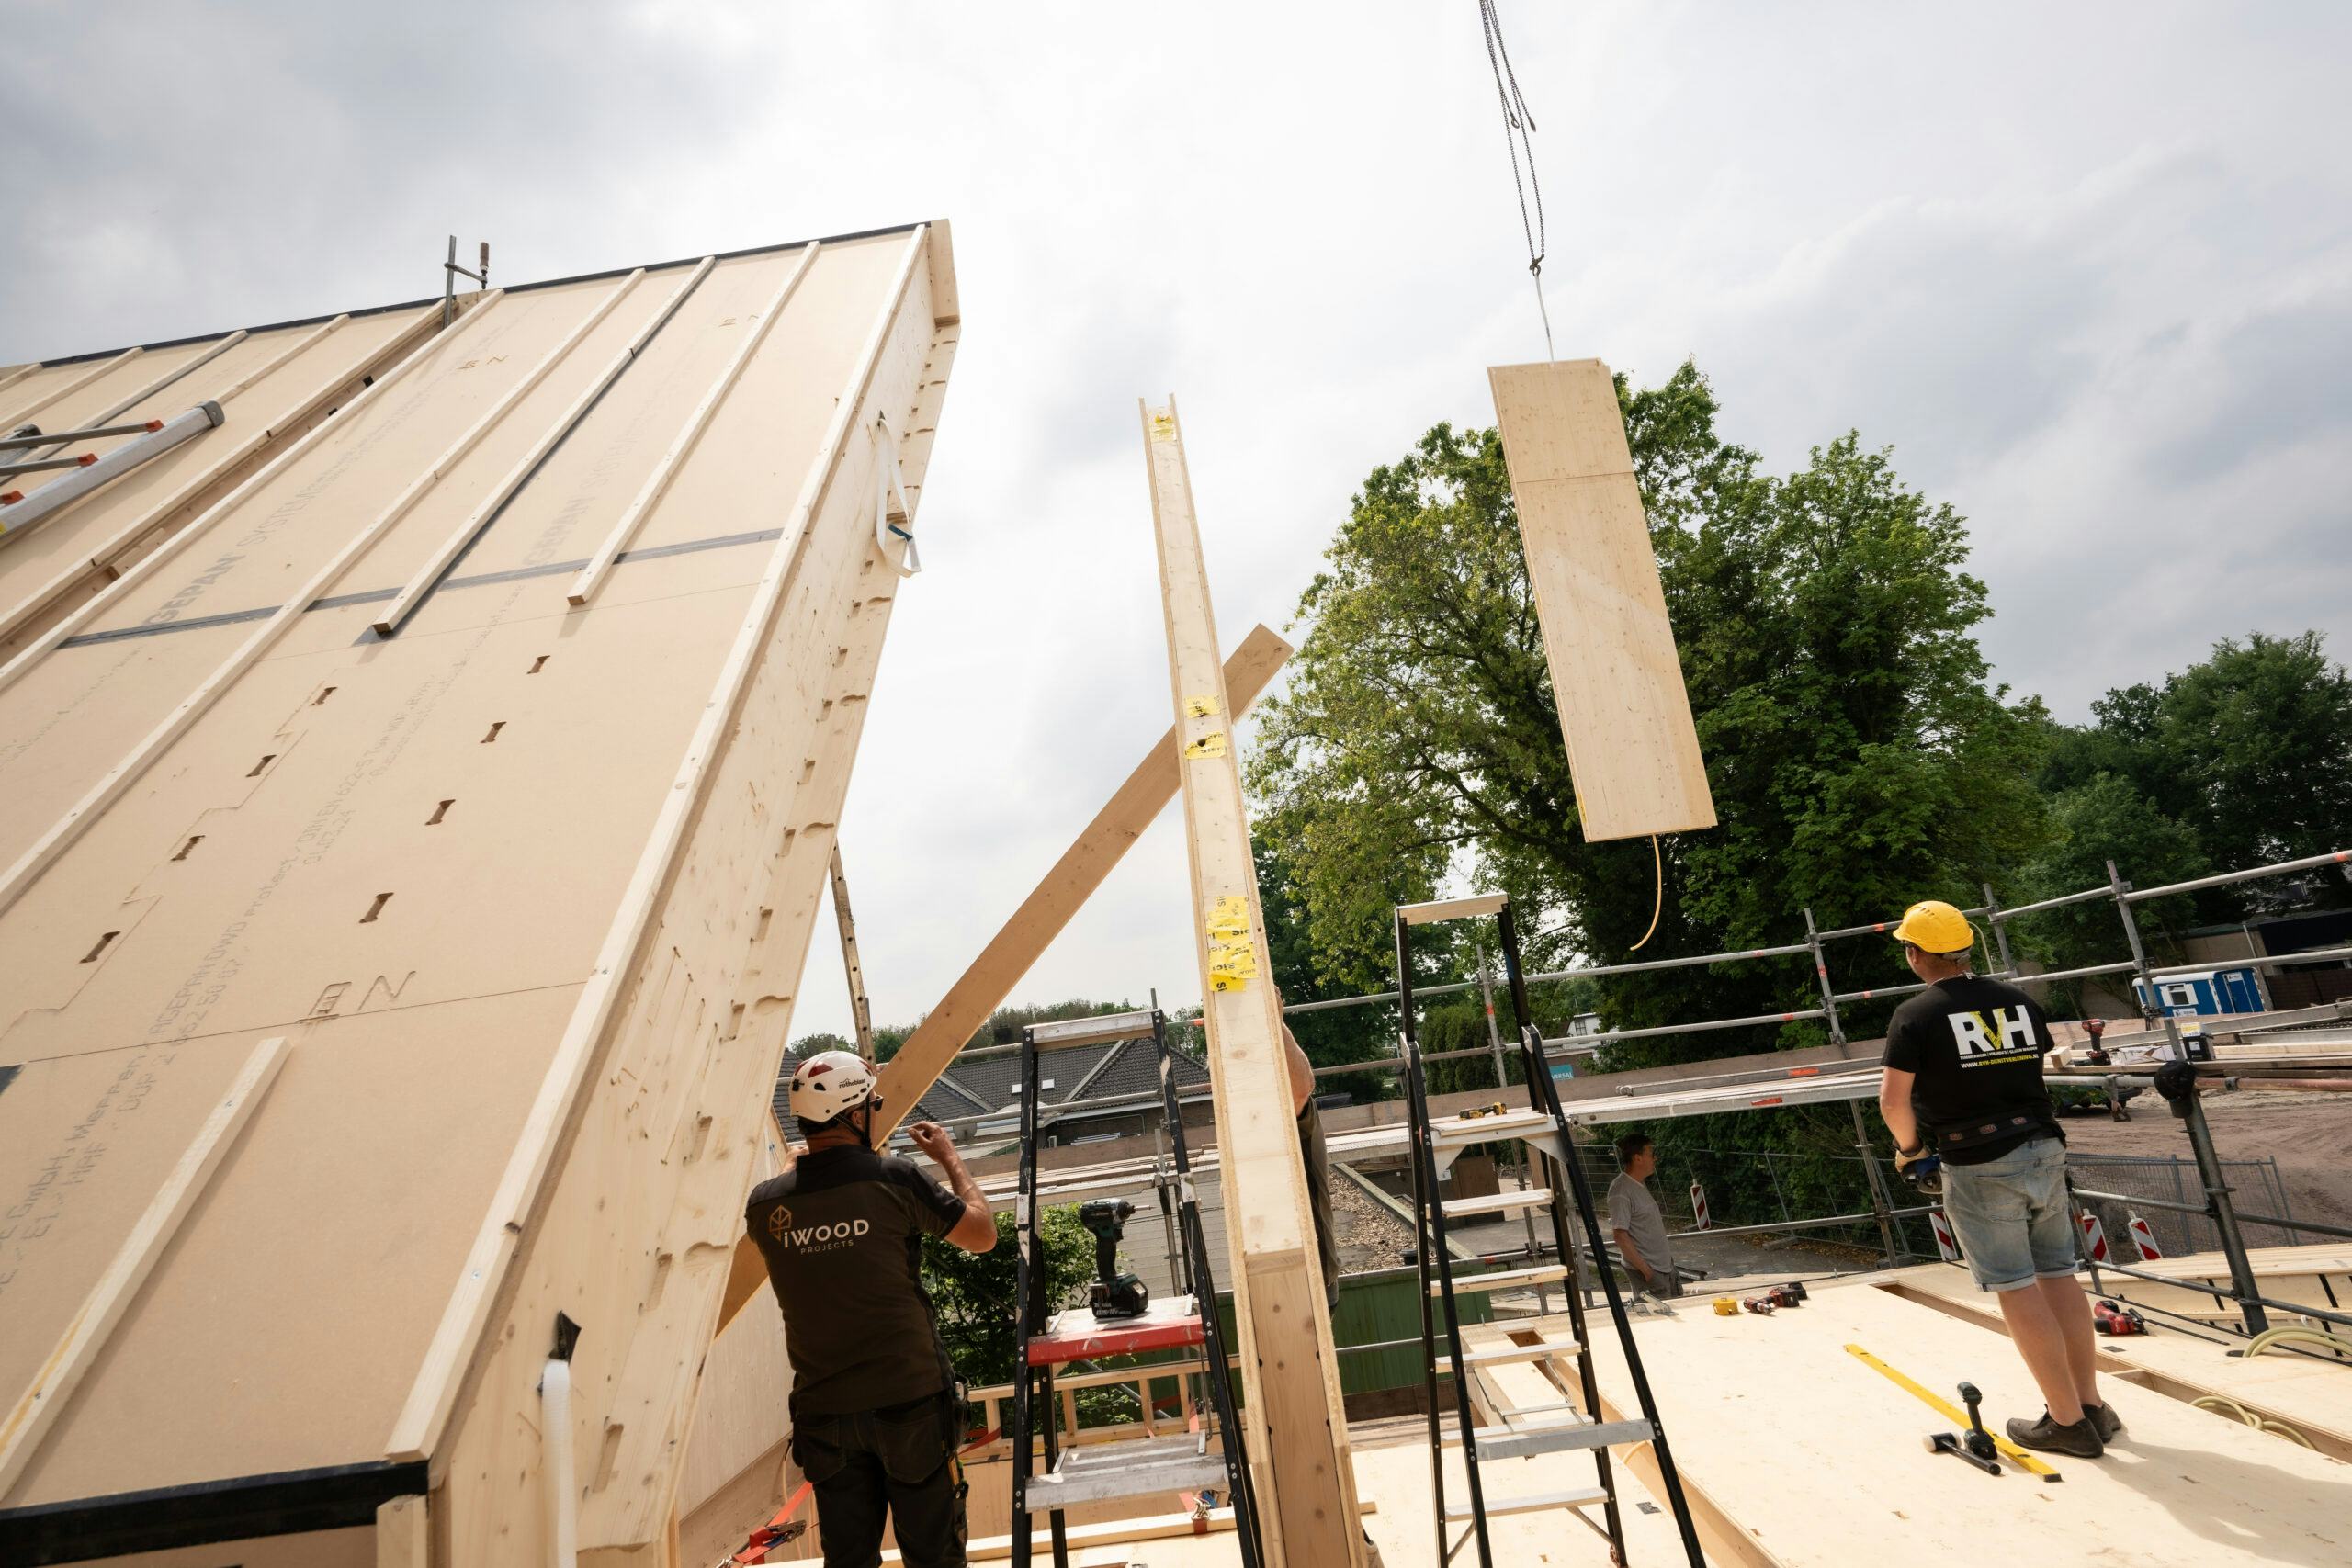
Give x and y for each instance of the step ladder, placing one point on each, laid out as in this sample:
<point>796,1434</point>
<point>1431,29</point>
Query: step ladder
<point>1565,1197</point>
<point>1197,1461</point>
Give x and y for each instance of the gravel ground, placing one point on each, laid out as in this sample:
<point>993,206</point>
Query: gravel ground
<point>1368,1236</point>
<point>2309,1132</point>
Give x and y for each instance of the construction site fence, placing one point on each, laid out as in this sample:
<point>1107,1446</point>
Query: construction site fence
<point>2165,1192</point>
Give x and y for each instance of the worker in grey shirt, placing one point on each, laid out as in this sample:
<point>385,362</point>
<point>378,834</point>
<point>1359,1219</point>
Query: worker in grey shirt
<point>1634,1220</point>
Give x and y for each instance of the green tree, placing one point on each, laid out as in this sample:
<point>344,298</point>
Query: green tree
<point>974,1294</point>
<point>2106,818</point>
<point>2248,752</point>
<point>1858,754</point>
<point>1330,1039</point>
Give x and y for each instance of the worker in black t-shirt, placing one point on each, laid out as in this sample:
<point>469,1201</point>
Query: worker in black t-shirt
<point>875,1417</point>
<point>1962,1091</point>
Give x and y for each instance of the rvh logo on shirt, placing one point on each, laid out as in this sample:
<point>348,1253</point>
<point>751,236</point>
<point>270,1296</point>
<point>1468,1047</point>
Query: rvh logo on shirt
<point>2001,1032</point>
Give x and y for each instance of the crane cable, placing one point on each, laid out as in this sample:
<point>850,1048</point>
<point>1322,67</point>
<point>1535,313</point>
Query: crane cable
<point>1519,123</point>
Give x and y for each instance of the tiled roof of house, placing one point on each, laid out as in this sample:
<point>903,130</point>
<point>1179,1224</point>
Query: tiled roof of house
<point>1120,1070</point>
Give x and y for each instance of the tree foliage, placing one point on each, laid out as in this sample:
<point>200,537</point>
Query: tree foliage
<point>1330,1039</point>
<point>1859,755</point>
<point>2104,819</point>
<point>2242,759</point>
<point>975,1294</point>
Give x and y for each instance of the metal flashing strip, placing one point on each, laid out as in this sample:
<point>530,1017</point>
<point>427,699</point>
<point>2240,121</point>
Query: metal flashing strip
<point>379,595</point>
<point>243,1507</point>
<point>435,300</point>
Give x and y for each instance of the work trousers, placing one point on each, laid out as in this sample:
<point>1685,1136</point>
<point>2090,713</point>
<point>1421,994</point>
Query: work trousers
<point>896,1462</point>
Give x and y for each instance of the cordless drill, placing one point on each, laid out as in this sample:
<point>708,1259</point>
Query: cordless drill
<point>1112,1294</point>
<point>2115,1318</point>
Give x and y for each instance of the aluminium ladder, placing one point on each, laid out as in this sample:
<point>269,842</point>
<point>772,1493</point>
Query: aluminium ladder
<point>1189,1461</point>
<point>1525,1432</point>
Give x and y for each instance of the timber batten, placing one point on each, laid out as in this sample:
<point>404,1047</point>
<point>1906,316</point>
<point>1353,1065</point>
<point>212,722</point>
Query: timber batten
<point>1296,1429</point>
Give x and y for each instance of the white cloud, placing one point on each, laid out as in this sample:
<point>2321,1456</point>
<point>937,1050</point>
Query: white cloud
<point>2092,280</point>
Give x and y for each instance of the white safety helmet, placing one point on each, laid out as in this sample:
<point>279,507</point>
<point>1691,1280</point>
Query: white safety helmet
<point>829,1084</point>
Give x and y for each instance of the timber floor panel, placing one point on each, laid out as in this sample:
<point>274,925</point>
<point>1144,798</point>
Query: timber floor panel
<point>1818,1459</point>
<point>2313,1395</point>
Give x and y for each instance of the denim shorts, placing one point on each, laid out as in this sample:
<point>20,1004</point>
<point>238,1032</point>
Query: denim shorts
<point>2011,1217</point>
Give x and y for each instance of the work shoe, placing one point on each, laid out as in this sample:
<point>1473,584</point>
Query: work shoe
<point>2103,1416</point>
<point>2080,1439</point>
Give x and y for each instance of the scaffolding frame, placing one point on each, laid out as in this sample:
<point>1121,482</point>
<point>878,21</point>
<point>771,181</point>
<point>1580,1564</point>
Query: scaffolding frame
<point>2180,1089</point>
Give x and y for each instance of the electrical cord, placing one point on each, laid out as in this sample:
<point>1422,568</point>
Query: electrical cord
<point>1657,907</point>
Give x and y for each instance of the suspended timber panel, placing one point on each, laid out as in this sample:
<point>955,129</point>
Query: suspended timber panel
<point>1631,750</point>
<point>526,887</point>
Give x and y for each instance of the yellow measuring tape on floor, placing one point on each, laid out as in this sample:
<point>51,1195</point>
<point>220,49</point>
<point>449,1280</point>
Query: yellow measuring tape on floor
<point>1953,1412</point>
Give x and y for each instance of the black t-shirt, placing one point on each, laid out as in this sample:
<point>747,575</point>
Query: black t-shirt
<point>843,1233</point>
<point>1975,1047</point>
<point>1317,1160</point>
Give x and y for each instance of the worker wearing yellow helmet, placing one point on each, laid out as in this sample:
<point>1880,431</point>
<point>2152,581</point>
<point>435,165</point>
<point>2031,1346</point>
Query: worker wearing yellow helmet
<point>1961,1089</point>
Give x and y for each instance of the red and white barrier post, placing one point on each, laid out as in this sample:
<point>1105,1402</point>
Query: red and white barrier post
<point>1699,1220</point>
<point>2093,1238</point>
<point>2145,1240</point>
<point>1947,1244</point>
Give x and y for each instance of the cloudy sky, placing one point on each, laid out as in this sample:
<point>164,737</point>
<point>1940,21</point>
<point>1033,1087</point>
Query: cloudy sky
<point>2089,271</point>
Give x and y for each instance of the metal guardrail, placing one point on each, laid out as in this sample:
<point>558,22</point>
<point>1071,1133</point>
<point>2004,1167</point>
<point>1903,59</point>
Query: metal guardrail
<point>2216,1205</point>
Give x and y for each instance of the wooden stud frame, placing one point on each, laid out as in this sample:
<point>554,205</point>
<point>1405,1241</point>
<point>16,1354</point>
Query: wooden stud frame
<point>438,563</point>
<point>657,483</point>
<point>35,1411</point>
<point>23,412</point>
<point>103,561</point>
<point>154,561</point>
<point>608,1180</point>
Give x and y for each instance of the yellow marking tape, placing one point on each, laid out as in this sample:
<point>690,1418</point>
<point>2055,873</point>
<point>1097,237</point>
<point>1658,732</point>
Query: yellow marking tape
<point>1203,707</point>
<point>1210,745</point>
<point>1233,956</point>
<point>1952,1412</point>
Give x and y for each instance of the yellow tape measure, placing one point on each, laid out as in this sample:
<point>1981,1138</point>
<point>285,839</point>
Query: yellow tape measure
<point>1953,1412</point>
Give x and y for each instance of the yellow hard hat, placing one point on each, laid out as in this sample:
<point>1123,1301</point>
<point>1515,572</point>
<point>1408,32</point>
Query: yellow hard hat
<point>1934,926</point>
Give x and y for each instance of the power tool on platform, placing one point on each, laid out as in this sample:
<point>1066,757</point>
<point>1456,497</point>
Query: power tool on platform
<point>2115,1318</point>
<point>1113,1295</point>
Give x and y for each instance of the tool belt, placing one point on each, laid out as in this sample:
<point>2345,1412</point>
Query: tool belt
<point>1990,1126</point>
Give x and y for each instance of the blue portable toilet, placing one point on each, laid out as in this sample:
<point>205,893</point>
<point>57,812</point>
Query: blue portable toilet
<point>2208,993</point>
